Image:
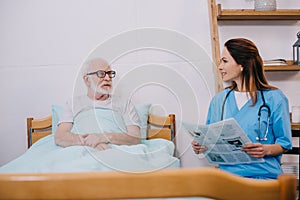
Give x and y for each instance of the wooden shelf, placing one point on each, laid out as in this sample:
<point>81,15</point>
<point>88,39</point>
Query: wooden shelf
<point>251,14</point>
<point>283,68</point>
<point>295,126</point>
<point>288,67</point>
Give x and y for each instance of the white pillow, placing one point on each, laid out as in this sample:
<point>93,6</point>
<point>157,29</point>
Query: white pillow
<point>56,112</point>
<point>143,113</point>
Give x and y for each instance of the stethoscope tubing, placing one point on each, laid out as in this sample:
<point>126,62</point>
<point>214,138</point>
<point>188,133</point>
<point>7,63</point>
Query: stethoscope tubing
<point>264,105</point>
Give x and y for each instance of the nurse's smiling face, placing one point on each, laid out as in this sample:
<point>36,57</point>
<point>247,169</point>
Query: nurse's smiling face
<point>229,69</point>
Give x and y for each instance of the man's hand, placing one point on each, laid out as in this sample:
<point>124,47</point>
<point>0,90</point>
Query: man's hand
<point>102,146</point>
<point>93,140</point>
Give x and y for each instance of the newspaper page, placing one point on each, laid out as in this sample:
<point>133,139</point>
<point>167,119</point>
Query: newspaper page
<point>224,141</point>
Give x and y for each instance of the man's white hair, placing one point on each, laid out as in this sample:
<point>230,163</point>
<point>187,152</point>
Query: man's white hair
<point>87,65</point>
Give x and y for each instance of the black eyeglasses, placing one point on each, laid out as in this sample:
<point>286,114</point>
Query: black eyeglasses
<point>102,74</point>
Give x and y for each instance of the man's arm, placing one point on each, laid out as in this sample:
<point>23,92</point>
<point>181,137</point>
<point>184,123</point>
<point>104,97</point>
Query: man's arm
<point>63,136</point>
<point>130,138</point>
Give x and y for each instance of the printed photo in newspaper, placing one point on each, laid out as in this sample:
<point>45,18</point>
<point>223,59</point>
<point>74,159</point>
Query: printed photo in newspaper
<point>224,141</point>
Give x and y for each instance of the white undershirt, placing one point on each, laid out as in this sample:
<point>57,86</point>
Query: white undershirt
<point>241,98</point>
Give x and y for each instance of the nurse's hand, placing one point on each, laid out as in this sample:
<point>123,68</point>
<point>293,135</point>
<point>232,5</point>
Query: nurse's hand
<point>198,148</point>
<point>258,150</point>
<point>255,150</point>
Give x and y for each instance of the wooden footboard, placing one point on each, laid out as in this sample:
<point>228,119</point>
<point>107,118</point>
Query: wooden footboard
<point>212,183</point>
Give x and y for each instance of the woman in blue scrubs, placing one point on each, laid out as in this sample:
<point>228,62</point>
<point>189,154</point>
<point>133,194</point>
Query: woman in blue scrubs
<point>261,110</point>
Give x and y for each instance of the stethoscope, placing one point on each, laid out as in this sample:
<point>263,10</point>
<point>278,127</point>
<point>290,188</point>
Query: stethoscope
<point>264,105</point>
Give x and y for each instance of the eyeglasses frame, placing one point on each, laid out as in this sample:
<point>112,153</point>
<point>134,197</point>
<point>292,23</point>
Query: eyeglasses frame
<point>111,73</point>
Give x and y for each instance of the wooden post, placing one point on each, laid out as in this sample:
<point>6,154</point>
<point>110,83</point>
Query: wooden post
<point>215,43</point>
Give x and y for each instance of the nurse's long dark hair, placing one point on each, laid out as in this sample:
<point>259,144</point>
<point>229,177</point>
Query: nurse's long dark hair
<point>245,53</point>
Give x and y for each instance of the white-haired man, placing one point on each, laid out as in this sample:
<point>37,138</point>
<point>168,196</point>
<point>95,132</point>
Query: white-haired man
<point>97,77</point>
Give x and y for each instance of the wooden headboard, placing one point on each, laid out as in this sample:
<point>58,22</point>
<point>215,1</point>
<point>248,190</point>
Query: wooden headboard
<point>158,127</point>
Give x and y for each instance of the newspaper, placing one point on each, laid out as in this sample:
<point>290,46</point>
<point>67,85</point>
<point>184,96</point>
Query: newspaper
<point>224,141</point>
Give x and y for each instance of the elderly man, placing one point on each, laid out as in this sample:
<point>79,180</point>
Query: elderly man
<point>96,132</point>
<point>97,77</point>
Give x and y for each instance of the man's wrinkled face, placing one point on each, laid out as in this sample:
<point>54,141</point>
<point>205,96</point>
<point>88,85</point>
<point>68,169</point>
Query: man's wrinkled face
<point>99,82</point>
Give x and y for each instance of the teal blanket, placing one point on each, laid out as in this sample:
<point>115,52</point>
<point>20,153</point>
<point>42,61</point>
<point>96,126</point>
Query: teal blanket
<point>45,156</point>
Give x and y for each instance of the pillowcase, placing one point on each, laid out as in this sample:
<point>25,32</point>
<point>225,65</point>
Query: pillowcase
<point>56,112</point>
<point>143,112</point>
<point>141,109</point>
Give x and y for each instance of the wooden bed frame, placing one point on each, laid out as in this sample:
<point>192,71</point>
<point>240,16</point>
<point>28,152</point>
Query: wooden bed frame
<point>201,182</point>
<point>157,127</point>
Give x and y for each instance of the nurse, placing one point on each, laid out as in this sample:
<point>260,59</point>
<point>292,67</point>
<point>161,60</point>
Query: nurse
<point>261,110</point>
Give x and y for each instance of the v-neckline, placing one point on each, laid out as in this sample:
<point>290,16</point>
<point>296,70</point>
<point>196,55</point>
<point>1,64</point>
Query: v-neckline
<point>235,106</point>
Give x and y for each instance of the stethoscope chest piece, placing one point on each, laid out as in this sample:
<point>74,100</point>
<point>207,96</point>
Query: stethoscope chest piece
<point>261,139</point>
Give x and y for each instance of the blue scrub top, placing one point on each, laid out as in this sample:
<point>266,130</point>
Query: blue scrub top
<point>247,117</point>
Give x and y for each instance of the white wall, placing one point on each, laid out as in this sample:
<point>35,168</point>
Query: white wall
<point>44,42</point>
